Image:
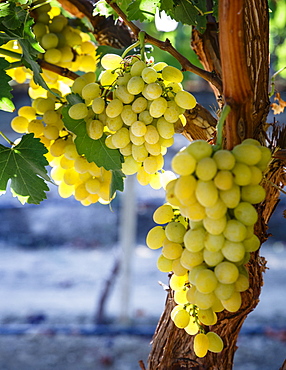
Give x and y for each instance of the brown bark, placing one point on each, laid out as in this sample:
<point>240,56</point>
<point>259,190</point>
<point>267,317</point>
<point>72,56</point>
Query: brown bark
<point>244,71</point>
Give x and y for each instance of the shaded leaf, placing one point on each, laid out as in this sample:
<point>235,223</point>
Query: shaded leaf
<point>6,103</point>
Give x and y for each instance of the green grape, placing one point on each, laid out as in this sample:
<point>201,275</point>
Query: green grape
<point>138,128</point>
<point>70,151</point>
<point>114,124</point>
<point>224,291</point>
<point>94,129</point>
<point>137,68</point>
<point>172,74</point>
<point>234,231</point>
<point>19,124</point>
<point>233,251</point>
<point>185,100</point>
<point>81,165</point>
<point>247,154</point>
<point>51,132</point>
<point>36,126</point>
<point>111,61</point>
<point>139,152</point>
<point>175,232</point>
<point>164,264</point>
<point>107,77</point>
<point>215,226</point>
<point>214,243</point>
<point>41,105</point>
<point>153,149</point>
<point>226,272</point>
<point>256,175</point>
<point>78,85</point>
<point>246,213</point>
<point>50,117</point>
<point>251,244</point>
<point>145,117</point>
<point>159,66</point>
<point>180,296</point>
<point>206,169</point>
<point>177,268</point>
<point>195,212</point>
<point>215,342</point>
<point>130,166</point>
<point>128,115</point>
<point>49,41</point>
<point>204,300</point>
<point>165,128</point>
<point>123,79</point>
<point>151,164</point>
<point>91,91</point>
<point>57,148</point>
<point>217,211</point>
<point>191,294</point>
<point>114,108</point>
<point>231,197</point>
<point>181,318</point>
<point>135,85</point>
<point>152,91</point>
<point>242,283</point>
<point>183,163</point>
<point>206,193</point>
<point>149,75</point>
<point>58,23</point>
<point>207,317</point>
<point>178,282</point>
<point>158,107</point>
<point>225,160</point>
<point>193,271</point>
<point>217,305</point>
<point>201,345</point>
<point>121,138</point>
<point>139,105</point>
<point>163,214</point>
<point>122,94</point>
<point>78,111</point>
<point>212,258</point>
<point>137,141</point>
<point>233,303</point>
<point>265,158</point>
<point>192,328</point>
<point>155,237</point>
<point>223,180</point>
<point>152,136</point>
<point>191,259</point>
<point>194,239</point>
<point>242,174</point>
<point>206,281</point>
<point>53,56</point>
<point>253,194</point>
<point>185,187</point>
<point>199,149</point>
<point>172,112</point>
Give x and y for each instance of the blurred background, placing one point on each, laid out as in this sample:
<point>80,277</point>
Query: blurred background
<point>80,290</point>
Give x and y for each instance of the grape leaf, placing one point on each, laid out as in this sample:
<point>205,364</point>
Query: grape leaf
<point>6,103</point>
<point>117,182</point>
<point>142,10</point>
<point>94,150</point>
<point>168,7</point>
<point>185,12</point>
<point>25,165</point>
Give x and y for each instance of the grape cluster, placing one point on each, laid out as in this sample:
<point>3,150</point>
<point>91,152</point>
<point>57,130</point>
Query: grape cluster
<point>73,174</point>
<point>206,231</point>
<point>137,105</point>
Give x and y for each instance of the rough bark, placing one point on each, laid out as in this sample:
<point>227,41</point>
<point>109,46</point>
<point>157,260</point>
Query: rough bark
<point>243,38</point>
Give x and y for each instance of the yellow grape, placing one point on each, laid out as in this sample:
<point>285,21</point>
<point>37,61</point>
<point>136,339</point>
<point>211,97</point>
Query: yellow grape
<point>181,318</point>
<point>155,237</point>
<point>172,250</point>
<point>207,317</point>
<point>206,281</point>
<point>183,164</point>
<point>233,303</point>
<point>215,342</point>
<point>185,100</point>
<point>164,264</point>
<point>194,239</point>
<point>175,232</point>
<point>172,74</point>
<point>78,111</point>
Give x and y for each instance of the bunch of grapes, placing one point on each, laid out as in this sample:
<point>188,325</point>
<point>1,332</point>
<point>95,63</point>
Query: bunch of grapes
<point>206,231</point>
<point>64,46</point>
<point>73,174</point>
<point>137,105</point>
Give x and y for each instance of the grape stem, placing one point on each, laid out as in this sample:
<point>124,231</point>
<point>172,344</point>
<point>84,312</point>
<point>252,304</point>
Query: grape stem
<point>126,51</point>
<point>141,36</point>
<point>11,54</point>
<point>167,46</point>
<point>6,138</point>
<point>225,111</point>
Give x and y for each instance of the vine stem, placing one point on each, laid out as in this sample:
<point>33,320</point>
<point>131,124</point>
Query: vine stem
<point>6,138</point>
<point>126,51</point>
<point>225,111</point>
<point>167,46</point>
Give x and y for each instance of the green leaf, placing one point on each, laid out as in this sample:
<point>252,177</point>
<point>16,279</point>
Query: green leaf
<point>4,9</point>
<point>25,165</point>
<point>185,12</point>
<point>117,182</point>
<point>168,7</point>
<point>6,103</point>
<point>74,99</point>
<point>142,10</point>
<point>94,150</point>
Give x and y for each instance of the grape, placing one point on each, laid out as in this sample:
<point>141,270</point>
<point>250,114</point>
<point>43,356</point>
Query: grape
<point>204,301</point>
<point>27,112</point>
<point>19,124</point>
<point>191,294</point>
<point>199,149</point>
<point>50,117</point>
<point>64,190</point>
<point>214,243</point>
<point>191,259</point>
<point>130,166</point>
<point>233,303</point>
<point>215,226</point>
<point>164,264</point>
<point>206,193</point>
<point>107,77</point>
<point>114,108</point>
<point>175,232</point>
<point>181,318</point>
<point>231,197</point>
<point>128,115</point>
<point>242,174</point>
<point>215,342</point>
<point>41,105</point>
<point>195,212</point>
<point>233,251</point>
<point>247,154</point>
<point>81,165</point>
<point>137,68</point>
<point>253,194</point>
<point>70,151</point>
<point>178,282</point>
<point>185,187</point>
<point>36,126</point>
<point>121,138</point>
<point>225,160</point>
<point>180,296</point>
<point>172,112</point>
<point>145,117</point>
<point>138,140</point>
<point>122,94</point>
<point>57,148</point>
<point>251,244</point>
<point>78,111</point>
<point>192,328</point>
<point>143,177</point>
<point>177,268</point>
<point>135,85</point>
<point>183,164</point>
<point>51,132</point>
<point>207,317</point>
<point>49,41</point>
<point>139,152</point>
<point>223,180</point>
<point>53,56</point>
<point>91,91</point>
<point>138,128</point>
<point>155,237</point>
<point>185,100</point>
<point>149,75</point>
<point>111,61</point>
<point>80,192</point>
<point>212,258</point>
<point>265,158</point>
<point>256,175</point>
<point>201,344</point>
<point>139,105</point>
<point>159,66</point>
<point>114,124</point>
<point>172,74</point>
<point>206,169</point>
<point>163,214</point>
<point>153,149</point>
<point>152,91</point>
<point>226,272</point>
<point>158,107</point>
<point>246,213</point>
<point>71,177</point>
<point>194,239</point>
<point>217,211</point>
<point>194,271</point>
<point>206,281</point>
<point>94,129</point>
<point>224,291</point>
<point>165,128</point>
<point>234,231</point>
